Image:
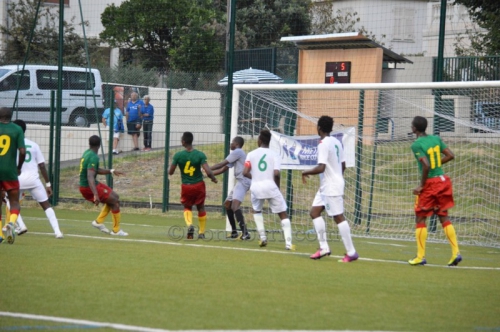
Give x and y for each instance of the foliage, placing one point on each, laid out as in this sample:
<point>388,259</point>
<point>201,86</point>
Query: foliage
<point>484,41</point>
<point>327,20</point>
<point>129,75</point>
<point>264,22</point>
<point>45,42</point>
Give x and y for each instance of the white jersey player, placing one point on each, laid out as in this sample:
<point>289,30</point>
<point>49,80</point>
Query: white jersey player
<point>30,180</point>
<point>263,167</point>
<point>331,166</point>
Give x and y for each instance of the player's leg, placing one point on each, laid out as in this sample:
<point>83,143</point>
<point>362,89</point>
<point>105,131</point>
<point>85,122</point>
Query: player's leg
<point>278,206</point>
<point>99,221</point>
<point>2,195</point>
<point>230,215</point>
<point>113,201</point>
<point>21,226</point>
<point>258,218</point>
<point>239,191</point>
<point>15,208</point>
<point>320,227</point>
<point>40,195</point>
<point>201,193</point>
<point>424,208</point>
<point>334,206</point>
<point>445,202</point>
<point>451,235</point>
<point>421,238</point>
<point>187,202</point>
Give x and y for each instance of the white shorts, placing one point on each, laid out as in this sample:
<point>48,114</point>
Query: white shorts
<point>36,190</point>
<point>239,191</point>
<point>117,135</point>
<point>277,203</point>
<point>334,205</point>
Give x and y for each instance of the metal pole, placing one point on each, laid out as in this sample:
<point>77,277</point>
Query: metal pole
<point>166,181</point>
<point>59,103</point>
<point>359,153</point>
<point>51,139</point>
<point>111,125</point>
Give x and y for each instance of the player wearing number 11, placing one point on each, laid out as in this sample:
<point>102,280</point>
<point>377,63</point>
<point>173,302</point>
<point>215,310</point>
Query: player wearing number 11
<point>434,194</point>
<point>190,162</point>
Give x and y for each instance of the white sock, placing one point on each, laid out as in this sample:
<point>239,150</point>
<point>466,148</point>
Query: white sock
<point>320,227</point>
<point>345,233</point>
<point>51,215</point>
<point>287,231</point>
<point>259,222</point>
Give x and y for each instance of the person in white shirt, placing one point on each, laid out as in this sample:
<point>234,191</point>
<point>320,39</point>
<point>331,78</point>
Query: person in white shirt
<point>331,166</point>
<point>30,180</point>
<point>263,167</point>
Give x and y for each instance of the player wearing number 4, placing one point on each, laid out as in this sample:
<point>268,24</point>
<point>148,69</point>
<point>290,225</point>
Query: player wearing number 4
<point>435,193</point>
<point>263,167</point>
<point>190,162</point>
<point>11,141</point>
<point>331,166</point>
<point>96,192</point>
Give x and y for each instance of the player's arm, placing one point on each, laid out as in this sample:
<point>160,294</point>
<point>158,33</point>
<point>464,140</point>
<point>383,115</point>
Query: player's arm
<point>219,171</point>
<point>45,175</point>
<point>247,170</point>
<point>425,174</point>
<point>91,180</point>
<point>448,156</point>
<point>277,177</point>
<point>22,157</point>
<point>209,172</point>
<point>103,171</point>
<point>219,165</point>
<point>171,169</point>
<point>318,169</point>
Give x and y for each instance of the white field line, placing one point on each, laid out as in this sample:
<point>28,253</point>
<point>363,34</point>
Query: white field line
<point>111,238</point>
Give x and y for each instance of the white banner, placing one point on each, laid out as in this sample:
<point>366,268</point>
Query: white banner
<point>301,152</point>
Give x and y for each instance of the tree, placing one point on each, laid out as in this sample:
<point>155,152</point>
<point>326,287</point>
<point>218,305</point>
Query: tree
<point>45,42</point>
<point>264,22</point>
<point>171,34</point>
<point>486,13</point>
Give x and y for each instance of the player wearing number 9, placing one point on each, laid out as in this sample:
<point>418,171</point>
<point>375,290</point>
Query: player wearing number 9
<point>190,162</point>
<point>435,193</point>
<point>11,141</point>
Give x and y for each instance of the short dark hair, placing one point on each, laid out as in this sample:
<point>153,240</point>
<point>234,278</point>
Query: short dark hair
<point>188,137</point>
<point>94,140</point>
<point>420,123</point>
<point>240,141</point>
<point>325,124</point>
<point>265,136</point>
<point>21,124</point>
<point>5,113</point>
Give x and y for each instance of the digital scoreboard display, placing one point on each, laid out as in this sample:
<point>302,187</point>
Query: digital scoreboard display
<point>338,72</point>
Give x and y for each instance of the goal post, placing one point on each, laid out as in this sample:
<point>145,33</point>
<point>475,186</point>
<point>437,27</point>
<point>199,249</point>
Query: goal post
<point>378,196</point>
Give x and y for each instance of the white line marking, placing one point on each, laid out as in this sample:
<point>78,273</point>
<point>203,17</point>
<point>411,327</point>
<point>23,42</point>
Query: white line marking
<point>387,244</point>
<point>109,238</point>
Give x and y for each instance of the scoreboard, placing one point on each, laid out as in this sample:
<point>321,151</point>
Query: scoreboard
<point>338,72</point>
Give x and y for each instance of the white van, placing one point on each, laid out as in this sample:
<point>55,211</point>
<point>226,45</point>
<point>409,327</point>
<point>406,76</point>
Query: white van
<point>80,89</point>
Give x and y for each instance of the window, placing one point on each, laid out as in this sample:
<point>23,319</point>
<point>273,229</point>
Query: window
<point>11,82</point>
<point>80,80</point>
<point>47,80</point>
<point>404,24</point>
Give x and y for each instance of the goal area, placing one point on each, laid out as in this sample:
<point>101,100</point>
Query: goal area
<point>374,123</point>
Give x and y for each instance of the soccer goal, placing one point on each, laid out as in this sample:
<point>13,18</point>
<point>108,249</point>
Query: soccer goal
<point>374,123</point>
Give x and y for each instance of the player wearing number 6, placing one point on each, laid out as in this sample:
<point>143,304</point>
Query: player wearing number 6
<point>190,162</point>
<point>263,167</point>
<point>11,141</point>
<point>435,193</point>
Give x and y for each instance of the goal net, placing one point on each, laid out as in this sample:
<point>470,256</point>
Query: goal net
<point>374,123</point>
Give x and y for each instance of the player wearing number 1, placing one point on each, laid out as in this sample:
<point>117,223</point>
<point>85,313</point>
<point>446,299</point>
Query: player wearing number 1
<point>263,167</point>
<point>190,162</point>
<point>435,193</point>
<point>11,141</point>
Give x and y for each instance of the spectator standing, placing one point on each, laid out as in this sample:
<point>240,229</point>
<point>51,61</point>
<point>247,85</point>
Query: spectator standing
<point>134,121</point>
<point>147,113</point>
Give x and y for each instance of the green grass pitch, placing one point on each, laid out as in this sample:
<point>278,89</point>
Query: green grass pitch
<point>152,279</point>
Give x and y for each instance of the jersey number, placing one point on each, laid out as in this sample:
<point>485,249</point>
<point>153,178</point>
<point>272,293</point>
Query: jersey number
<point>262,164</point>
<point>4,144</point>
<point>434,156</point>
<point>337,148</point>
<point>28,154</point>
<point>188,169</point>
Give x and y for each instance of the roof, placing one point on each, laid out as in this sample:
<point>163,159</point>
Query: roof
<point>346,40</point>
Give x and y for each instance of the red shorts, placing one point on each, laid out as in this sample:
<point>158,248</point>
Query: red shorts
<point>193,194</point>
<point>9,185</point>
<point>436,197</point>
<point>103,191</point>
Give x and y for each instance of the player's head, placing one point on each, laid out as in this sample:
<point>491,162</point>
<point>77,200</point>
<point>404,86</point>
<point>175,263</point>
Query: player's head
<point>419,124</point>
<point>134,95</point>
<point>264,137</point>
<point>146,99</point>
<point>94,141</point>
<point>325,124</point>
<point>5,114</point>
<point>237,142</point>
<point>21,124</point>
<point>187,138</point>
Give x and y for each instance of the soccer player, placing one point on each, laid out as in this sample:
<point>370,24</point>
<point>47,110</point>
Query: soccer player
<point>233,201</point>
<point>134,119</point>
<point>263,167</point>
<point>190,162</point>
<point>11,141</point>
<point>329,197</point>
<point>118,127</point>
<point>30,180</point>
<point>96,192</point>
<point>435,193</point>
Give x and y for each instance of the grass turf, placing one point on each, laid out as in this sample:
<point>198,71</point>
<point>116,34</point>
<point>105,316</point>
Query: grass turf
<point>154,279</point>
